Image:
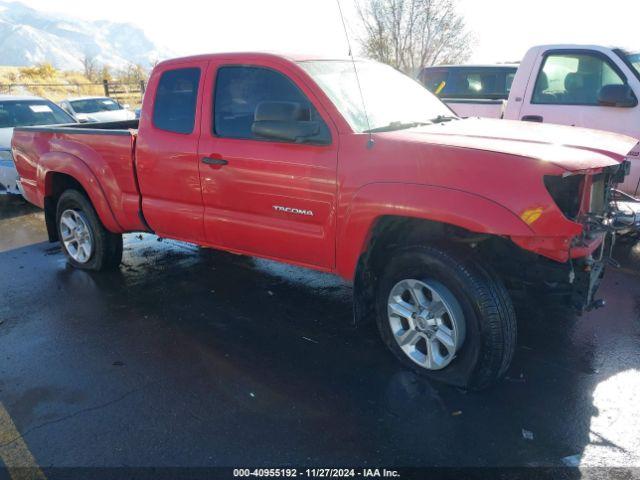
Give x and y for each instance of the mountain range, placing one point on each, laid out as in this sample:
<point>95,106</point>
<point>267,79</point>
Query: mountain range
<point>28,37</point>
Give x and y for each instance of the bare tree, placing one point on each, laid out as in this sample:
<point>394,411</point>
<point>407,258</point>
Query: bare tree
<point>133,73</point>
<point>90,67</point>
<point>105,73</point>
<point>411,34</point>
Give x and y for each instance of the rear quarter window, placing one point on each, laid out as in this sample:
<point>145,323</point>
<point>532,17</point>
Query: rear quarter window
<point>469,82</point>
<point>174,109</point>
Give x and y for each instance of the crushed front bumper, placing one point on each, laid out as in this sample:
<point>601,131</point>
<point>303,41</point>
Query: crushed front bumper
<point>573,283</point>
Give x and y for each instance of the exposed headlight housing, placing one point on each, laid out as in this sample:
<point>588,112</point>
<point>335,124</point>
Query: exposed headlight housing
<point>565,191</point>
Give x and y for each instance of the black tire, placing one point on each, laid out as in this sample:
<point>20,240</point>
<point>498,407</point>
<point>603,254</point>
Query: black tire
<point>489,317</point>
<point>107,247</point>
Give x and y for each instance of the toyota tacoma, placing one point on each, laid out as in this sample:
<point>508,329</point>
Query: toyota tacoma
<point>347,167</point>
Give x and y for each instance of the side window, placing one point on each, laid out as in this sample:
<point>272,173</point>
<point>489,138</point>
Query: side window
<point>174,109</point>
<point>573,79</point>
<point>240,90</point>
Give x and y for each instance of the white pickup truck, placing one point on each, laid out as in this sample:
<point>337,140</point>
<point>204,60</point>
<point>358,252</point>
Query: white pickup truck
<point>580,85</point>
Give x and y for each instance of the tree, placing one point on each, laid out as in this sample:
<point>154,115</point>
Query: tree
<point>133,73</point>
<point>412,34</point>
<point>90,67</point>
<point>105,73</point>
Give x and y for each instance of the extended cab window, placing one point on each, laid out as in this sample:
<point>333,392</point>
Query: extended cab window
<point>174,109</point>
<point>573,79</point>
<point>240,90</point>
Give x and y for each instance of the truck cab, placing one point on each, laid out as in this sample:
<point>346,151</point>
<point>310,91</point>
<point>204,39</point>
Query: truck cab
<point>583,86</point>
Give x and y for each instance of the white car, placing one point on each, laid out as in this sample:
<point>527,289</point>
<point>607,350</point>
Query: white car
<point>22,111</point>
<point>97,109</point>
<point>587,86</point>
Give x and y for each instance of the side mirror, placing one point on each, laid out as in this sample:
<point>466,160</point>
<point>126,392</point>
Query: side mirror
<point>284,121</point>
<point>126,106</point>
<point>617,96</point>
<point>286,131</point>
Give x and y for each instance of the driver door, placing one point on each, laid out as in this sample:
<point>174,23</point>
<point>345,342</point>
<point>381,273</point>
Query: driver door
<point>262,196</point>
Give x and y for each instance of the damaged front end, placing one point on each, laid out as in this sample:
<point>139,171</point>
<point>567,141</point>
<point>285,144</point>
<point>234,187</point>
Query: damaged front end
<point>610,211</point>
<point>591,201</point>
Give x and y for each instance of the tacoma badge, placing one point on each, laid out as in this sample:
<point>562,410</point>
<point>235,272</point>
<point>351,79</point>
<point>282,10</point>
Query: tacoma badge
<point>295,211</point>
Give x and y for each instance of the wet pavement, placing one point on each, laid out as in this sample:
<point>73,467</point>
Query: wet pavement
<point>190,357</point>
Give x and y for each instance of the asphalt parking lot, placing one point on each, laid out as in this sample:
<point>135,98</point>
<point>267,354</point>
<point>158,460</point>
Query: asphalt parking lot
<point>189,357</point>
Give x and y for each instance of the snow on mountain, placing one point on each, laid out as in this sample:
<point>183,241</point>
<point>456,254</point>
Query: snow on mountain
<point>28,36</point>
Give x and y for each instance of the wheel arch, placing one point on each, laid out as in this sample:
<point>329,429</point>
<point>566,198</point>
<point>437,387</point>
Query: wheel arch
<point>420,214</point>
<point>61,171</point>
<point>381,207</point>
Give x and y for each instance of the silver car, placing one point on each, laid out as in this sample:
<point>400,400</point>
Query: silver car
<point>97,109</point>
<point>22,111</point>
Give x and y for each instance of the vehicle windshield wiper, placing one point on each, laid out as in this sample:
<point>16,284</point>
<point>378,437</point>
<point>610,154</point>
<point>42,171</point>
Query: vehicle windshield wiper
<point>397,125</point>
<point>444,118</point>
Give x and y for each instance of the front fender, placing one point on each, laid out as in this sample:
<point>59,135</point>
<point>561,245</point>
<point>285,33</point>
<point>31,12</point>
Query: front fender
<point>65,163</point>
<point>455,207</point>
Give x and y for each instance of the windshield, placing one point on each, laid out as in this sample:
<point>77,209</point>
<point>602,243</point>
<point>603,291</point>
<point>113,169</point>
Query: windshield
<point>94,105</point>
<point>634,60</point>
<point>26,113</point>
<point>391,98</point>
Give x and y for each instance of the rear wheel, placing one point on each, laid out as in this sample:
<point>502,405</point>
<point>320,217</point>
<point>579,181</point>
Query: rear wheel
<point>446,316</point>
<point>85,241</point>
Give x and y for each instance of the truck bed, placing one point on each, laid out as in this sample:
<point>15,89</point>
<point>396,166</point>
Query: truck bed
<point>108,128</point>
<point>101,153</point>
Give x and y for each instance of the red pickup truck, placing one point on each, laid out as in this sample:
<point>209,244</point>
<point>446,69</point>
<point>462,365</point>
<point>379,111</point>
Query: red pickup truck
<point>436,220</point>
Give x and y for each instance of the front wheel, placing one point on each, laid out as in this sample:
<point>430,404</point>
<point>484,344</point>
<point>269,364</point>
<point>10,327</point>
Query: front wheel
<point>446,316</point>
<point>85,241</point>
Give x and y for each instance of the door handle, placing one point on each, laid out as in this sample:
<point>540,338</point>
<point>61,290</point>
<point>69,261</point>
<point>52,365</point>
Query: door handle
<point>214,161</point>
<point>533,118</point>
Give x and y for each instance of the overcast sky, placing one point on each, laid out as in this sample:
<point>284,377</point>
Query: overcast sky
<point>504,28</point>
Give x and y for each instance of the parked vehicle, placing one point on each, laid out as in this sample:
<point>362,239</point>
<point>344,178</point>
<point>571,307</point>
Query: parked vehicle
<point>97,109</point>
<point>471,90</point>
<point>18,111</point>
<point>432,217</point>
<point>579,85</point>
